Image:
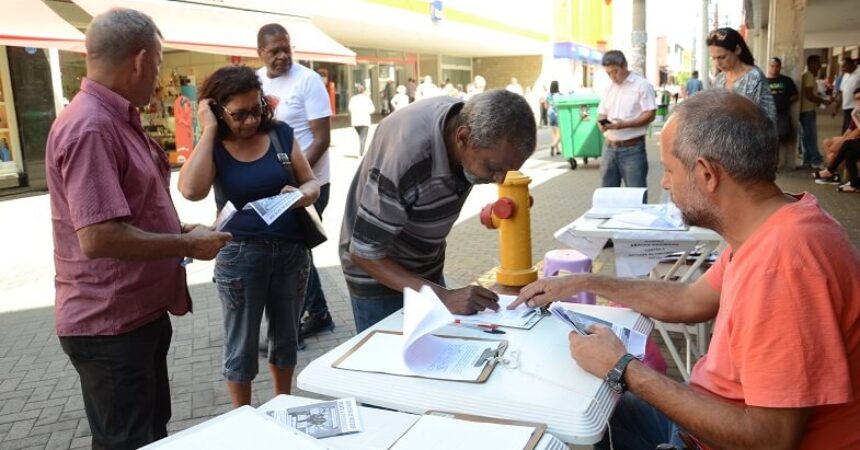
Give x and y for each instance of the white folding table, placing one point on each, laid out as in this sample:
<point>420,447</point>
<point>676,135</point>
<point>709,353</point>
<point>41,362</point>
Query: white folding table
<point>547,386</point>
<point>707,241</point>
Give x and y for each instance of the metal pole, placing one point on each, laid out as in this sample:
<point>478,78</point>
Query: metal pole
<point>704,71</point>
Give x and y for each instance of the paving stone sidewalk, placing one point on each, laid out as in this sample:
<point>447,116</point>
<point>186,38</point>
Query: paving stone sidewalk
<point>40,400</point>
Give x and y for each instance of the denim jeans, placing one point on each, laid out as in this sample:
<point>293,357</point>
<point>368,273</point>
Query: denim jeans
<point>370,310</point>
<point>636,425</point>
<point>809,138</point>
<point>124,383</point>
<point>315,303</point>
<point>253,275</point>
<point>628,164</point>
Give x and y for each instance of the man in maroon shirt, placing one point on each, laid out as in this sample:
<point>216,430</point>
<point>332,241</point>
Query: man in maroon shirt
<point>118,242</point>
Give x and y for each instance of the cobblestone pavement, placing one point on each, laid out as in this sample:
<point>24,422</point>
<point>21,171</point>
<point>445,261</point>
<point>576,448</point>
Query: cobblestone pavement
<point>40,401</point>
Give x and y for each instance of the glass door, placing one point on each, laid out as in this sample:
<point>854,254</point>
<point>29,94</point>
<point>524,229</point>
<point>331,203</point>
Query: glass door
<point>11,164</point>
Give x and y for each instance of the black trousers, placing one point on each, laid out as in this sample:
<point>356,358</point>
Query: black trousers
<point>124,382</point>
<point>362,138</point>
<point>850,155</point>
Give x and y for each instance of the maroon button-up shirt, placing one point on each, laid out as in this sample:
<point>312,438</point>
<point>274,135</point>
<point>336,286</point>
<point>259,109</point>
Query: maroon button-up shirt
<point>102,166</point>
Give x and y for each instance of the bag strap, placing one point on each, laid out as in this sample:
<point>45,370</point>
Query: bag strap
<point>283,158</point>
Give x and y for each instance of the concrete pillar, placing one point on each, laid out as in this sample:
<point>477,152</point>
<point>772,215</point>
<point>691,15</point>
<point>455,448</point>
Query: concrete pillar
<point>704,57</point>
<point>786,33</point>
<point>639,38</point>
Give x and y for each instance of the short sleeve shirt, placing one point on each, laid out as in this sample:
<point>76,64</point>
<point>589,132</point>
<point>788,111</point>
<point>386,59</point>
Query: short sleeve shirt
<point>627,101</point>
<point>404,198</point>
<point>783,89</point>
<point>301,97</point>
<point>807,80</point>
<point>102,166</point>
<point>754,86</point>
<point>787,333</point>
<point>850,82</point>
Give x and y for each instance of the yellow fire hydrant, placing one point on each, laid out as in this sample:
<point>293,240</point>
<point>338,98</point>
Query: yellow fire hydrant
<point>510,215</point>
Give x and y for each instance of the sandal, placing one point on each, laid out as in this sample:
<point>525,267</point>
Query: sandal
<point>821,179</point>
<point>848,188</point>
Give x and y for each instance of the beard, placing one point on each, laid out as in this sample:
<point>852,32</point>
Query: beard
<point>473,179</point>
<point>695,209</point>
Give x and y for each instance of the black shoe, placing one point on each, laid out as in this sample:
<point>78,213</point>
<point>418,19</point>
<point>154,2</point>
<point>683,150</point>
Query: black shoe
<point>314,324</point>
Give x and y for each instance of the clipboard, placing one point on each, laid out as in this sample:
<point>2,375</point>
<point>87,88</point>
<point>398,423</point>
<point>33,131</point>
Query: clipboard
<point>537,434</point>
<point>485,374</point>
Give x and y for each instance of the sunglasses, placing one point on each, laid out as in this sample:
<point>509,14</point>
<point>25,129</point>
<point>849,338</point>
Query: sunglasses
<point>243,114</point>
<point>719,35</point>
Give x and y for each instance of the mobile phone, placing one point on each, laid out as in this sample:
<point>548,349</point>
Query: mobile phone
<point>604,122</point>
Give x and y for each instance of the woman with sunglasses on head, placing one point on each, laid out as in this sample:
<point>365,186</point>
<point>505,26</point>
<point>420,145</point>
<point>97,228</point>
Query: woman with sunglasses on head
<point>266,266</point>
<point>737,71</point>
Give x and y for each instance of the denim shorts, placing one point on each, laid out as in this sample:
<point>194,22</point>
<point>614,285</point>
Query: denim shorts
<point>253,276</point>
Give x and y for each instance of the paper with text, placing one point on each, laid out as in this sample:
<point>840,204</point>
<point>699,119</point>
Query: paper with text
<point>270,208</point>
<point>320,420</point>
<point>435,432</point>
<point>633,340</point>
<point>522,317</point>
<point>637,252</point>
<point>227,212</point>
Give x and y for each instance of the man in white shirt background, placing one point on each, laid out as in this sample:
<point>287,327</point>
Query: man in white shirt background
<point>845,95</point>
<point>302,102</point>
<point>360,108</point>
<point>625,110</point>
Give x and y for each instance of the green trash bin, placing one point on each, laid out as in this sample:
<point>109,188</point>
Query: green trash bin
<point>577,122</point>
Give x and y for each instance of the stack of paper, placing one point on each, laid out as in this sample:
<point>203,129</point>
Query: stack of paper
<point>665,217</point>
<point>321,420</point>
<point>607,202</point>
<point>435,432</point>
<point>633,340</point>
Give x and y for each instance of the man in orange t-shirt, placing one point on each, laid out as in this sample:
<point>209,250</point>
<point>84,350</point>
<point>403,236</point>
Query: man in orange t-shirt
<point>783,367</point>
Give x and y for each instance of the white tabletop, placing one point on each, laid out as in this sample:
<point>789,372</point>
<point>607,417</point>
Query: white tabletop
<point>548,387</point>
<point>585,227</point>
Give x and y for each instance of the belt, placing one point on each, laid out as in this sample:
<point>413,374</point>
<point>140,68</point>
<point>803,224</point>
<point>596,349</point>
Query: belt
<point>625,143</point>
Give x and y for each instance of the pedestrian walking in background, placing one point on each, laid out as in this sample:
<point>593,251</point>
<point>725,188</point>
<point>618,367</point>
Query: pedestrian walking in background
<point>693,85</point>
<point>810,100</point>
<point>552,117</point>
<point>784,94</point>
<point>303,104</point>
<point>427,89</point>
<point>738,72</point>
<point>411,87</point>
<point>515,87</point>
<point>624,113</point>
<point>266,266</point>
<point>400,99</point>
<point>360,109</point>
<point>118,242</point>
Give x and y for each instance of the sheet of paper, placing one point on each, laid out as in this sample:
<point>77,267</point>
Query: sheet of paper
<point>443,358</point>
<point>435,432</point>
<point>637,252</point>
<point>606,202</point>
<point>522,317</point>
<point>589,246</point>
<point>235,430</point>
<point>633,340</point>
<point>270,208</point>
<point>227,212</point>
<point>321,420</point>
<point>641,220</point>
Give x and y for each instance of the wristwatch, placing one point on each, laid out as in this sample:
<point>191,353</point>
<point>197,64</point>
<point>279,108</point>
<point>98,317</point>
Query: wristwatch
<point>615,377</point>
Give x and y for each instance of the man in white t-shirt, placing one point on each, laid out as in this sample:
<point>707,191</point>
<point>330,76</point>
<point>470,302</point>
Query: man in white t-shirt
<point>625,110</point>
<point>300,99</point>
<point>361,108</point>
<point>845,95</point>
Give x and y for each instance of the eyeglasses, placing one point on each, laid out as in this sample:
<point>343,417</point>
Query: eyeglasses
<point>275,51</point>
<point>243,114</point>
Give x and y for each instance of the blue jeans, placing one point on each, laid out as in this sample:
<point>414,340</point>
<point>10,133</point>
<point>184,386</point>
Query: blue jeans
<point>809,138</point>
<point>370,310</point>
<point>628,164</point>
<point>253,275</point>
<point>315,303</point>
<point>636,425</point>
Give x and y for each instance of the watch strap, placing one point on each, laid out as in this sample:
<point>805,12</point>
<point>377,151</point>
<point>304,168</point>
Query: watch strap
<point>615,377</point>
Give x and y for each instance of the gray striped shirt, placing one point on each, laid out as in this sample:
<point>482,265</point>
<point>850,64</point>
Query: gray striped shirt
<point>404,199</point>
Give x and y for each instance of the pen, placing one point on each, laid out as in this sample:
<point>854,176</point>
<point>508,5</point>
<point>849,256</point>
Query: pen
<point>485,327</point>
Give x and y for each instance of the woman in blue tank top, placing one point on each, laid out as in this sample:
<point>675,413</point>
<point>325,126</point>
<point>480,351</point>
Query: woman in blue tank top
<point>265,267</point>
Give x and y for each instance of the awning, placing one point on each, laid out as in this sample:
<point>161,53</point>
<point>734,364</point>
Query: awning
<point>32,23</point>
<point>226,31</point>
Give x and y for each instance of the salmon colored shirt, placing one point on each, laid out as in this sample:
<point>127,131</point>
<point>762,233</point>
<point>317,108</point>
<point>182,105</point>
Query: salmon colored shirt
<point>787,332</point>
<point>102,166</point>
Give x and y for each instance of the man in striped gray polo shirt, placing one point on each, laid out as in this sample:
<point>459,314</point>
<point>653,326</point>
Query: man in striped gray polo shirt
<point>409,190</point>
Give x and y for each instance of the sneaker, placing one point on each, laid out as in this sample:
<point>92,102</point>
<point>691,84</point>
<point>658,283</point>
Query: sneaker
<point>314,324</point>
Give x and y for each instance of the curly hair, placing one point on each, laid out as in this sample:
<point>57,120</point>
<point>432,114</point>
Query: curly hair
<point>228,82</point>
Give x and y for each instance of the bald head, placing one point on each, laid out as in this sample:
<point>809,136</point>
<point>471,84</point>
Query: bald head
<point>728,129</point>
<point>117,35</point>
